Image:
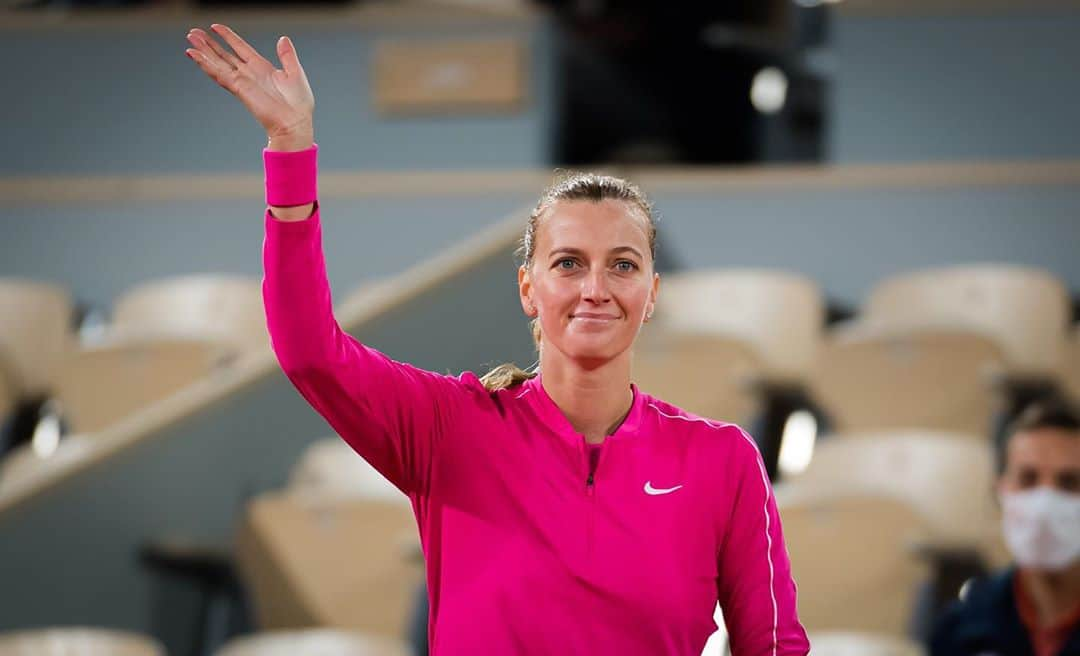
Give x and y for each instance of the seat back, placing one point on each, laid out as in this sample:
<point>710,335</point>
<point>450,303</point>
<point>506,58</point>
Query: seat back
<point>1024,310</point>
<point>873,379</point>
<point>100,385</point>
<point>708,376</point>
<point>850,643</point>
<point>35,332</point>
<point>329,562</point>
<point>77,641</point>
<point>778,314</point>
<point>947,477</point>
<point>1071,369</point>
<point>851,558</point>
<point>220,307</point>
<point>330,469</point>
<point>312,642</point>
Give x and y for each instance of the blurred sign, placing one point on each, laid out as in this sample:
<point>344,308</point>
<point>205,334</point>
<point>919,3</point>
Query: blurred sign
<point>434,77</point>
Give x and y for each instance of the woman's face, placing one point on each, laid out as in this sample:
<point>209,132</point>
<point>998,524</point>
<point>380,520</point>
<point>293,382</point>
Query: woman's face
<point>591,281</point>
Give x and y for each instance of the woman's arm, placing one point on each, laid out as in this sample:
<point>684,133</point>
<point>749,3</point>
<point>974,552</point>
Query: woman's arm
<point>755,588</point>
<point>391,413</point>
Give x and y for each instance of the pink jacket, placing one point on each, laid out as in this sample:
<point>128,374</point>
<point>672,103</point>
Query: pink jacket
<point>528,549</point>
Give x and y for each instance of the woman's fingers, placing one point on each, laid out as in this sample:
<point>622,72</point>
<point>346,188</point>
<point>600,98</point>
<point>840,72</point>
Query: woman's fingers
<point>239,46</point>
<point>214,67</point>
<point>203,43</point>
<point>216,48</point>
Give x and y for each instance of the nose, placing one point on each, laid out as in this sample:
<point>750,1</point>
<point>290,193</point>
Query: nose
<point>594,287</point>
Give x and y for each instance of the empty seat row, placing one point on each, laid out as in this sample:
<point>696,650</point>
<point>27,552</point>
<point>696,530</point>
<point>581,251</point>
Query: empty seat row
<point>86,641</point>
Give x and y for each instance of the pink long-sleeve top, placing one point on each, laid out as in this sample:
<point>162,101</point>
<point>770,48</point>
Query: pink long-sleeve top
<point>533,547</point>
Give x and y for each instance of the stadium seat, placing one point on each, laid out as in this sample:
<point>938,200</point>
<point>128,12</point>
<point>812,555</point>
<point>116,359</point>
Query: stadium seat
<point>849,643</point>
<point>330,469</point>
<point>778,315</point>
<point>77,640</point>
<point>312,561</point>
<point>709,376</point>
<point>35,332</point>
<point>219,307</point>
<point>1071,371</point>
<point>851,556</point>
<point>100,385</point>
<point>312,642</point>
<point>1024,310</point>
<point>947,477</point>
<point>874,378</point>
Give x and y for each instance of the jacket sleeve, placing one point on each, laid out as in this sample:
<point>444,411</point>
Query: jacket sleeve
<point>755,589</point>
<point>392,414</point>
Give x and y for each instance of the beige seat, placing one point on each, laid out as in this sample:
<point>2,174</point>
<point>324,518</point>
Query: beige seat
<point>848,643</point>
<point>100,385</point>
<point>1024,310</point>
<point>947,478</point>
<point>313,642</point>
<point>220,307</point>
<point>1071,370</point>
<point>778,315</point>
<point>709,376</point>
<point>35,331</point>
<point>332,562</point>
<point>330,469</point>
<point>77,641</point>
<point>873,378</point>
<point>851,556</point>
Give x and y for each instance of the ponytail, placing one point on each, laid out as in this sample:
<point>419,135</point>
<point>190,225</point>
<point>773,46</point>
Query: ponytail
<point>509,374</point>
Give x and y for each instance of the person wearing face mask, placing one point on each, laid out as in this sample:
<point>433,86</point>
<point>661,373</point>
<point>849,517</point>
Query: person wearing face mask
<point>1032,608</point>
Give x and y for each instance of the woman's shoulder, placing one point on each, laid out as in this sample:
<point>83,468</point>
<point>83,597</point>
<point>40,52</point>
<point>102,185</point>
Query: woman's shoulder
<point>670,418</point>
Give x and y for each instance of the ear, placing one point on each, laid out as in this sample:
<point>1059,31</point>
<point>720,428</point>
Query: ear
<point>650,307</point>
<point>525,291</point>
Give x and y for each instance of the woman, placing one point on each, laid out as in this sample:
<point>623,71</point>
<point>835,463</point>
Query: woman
<point>562,513</point>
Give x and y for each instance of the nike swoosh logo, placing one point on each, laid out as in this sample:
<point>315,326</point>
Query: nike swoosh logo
<point>649,489</point>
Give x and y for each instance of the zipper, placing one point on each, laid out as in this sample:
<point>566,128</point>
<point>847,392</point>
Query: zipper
<point>590,494</point>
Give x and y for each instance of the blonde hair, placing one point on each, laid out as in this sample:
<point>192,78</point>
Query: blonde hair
<point>569,186</point>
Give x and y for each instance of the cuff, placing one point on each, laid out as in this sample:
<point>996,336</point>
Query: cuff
<point>291,177</point>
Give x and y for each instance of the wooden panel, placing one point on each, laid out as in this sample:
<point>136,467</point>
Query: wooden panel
<point>425,77</point>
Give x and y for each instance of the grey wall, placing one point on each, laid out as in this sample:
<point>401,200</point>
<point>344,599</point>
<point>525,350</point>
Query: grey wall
<point>850,240</point>
<point>96,100</point>
<point>98,251</point>
<point>999,85</point>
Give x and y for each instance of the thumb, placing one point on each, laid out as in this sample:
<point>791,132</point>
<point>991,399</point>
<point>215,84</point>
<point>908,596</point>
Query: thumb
<point>287,54</point>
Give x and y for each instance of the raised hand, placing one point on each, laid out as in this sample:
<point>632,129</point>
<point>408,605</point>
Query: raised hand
<point>280,99</point>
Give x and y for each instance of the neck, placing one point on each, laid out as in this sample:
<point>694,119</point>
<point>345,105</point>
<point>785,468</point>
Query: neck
<point>594,399</point>
<point>1055,595</point>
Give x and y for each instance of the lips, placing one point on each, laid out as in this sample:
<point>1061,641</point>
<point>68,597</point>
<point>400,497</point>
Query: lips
<point>593,316</point>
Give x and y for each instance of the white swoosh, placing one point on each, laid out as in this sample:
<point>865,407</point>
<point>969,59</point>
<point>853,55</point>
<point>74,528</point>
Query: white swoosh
<point>649,489</point>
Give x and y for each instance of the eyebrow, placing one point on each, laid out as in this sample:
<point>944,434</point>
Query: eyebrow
<point>577,251</point>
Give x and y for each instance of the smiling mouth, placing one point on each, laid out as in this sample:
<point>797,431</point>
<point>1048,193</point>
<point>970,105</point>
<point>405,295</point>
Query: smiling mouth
<point>593,317</point>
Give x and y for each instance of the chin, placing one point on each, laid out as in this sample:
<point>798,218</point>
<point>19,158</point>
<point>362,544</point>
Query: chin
<point>596,350</point>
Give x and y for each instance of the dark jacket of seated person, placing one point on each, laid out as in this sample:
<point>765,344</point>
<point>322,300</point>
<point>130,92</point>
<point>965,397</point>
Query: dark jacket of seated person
<point>1033,608</point>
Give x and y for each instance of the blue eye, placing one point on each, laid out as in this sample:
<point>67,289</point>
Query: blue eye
<point>565,263</point>
<point>625,266</point>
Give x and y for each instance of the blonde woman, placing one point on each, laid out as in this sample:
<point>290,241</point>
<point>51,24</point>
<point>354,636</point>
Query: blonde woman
<point>563,511</point>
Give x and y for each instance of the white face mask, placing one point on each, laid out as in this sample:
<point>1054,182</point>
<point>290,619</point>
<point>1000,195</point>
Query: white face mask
<point>1042,527</point>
